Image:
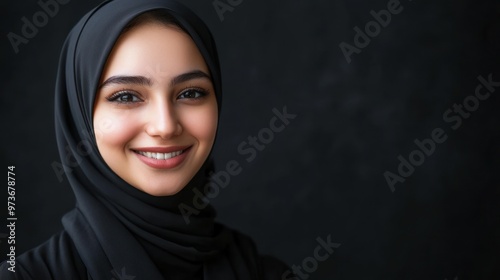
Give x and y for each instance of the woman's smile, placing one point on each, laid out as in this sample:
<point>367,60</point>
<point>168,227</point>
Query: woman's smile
<point>163,157</point>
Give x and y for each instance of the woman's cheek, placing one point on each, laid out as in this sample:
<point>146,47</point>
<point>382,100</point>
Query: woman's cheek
<point>115,129</point>
<point>201,123</point>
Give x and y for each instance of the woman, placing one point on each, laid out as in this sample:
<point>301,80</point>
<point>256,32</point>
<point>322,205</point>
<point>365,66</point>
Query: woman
<point>137,103</point>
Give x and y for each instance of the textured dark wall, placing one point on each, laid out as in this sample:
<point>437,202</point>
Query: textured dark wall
<point>323,175</point>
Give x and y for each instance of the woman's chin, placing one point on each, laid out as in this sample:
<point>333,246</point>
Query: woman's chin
<point>160,190</point>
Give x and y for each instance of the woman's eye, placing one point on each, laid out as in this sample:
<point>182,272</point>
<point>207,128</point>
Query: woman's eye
<point>192,94</point>
<point>124,97</point>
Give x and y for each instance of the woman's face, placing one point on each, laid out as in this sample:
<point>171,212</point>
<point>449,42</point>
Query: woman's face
<point>155,114</point>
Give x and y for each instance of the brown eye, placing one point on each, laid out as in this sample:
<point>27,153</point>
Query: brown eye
<point>192,94</point>
<point>124,97</point>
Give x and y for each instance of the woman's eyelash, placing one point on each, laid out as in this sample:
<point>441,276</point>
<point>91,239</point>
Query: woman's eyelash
<point>124,97</point>
<point>193,93</point>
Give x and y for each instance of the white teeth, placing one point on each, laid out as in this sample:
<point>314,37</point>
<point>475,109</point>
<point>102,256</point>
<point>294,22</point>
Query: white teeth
<point>161,156</point>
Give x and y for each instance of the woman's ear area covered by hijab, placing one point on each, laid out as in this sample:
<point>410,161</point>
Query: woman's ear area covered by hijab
<point>155,113</point>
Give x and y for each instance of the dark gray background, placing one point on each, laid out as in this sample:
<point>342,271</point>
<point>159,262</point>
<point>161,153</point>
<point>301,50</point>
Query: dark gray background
<point>323,175</point>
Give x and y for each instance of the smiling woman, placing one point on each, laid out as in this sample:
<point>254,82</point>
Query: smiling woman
<point>153,132</point>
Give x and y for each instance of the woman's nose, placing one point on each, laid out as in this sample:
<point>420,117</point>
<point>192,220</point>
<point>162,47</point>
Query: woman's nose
<point>163,121</point>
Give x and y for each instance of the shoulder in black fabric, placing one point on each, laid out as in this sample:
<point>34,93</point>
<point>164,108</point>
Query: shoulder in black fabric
<point>57,258</point>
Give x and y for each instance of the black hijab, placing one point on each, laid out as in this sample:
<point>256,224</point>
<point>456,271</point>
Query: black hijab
<point>115,228</point>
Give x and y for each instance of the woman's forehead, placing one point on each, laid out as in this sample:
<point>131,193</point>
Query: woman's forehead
<point>155,51</point>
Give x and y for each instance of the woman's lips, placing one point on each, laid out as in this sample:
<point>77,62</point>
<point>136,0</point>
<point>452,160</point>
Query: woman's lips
<point>162,157</point>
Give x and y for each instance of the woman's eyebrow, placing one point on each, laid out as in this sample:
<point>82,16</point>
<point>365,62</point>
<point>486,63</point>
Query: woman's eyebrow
<point>196,74</point>
<point>124,80</point>
<point>141,80</point>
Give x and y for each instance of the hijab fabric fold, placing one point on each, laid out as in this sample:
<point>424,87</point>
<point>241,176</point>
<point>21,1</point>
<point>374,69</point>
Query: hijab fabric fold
<point>116,228</point>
